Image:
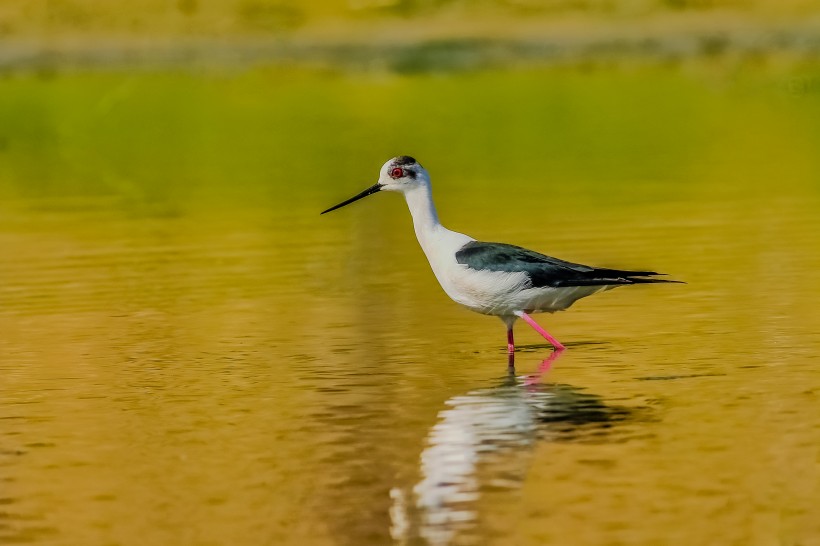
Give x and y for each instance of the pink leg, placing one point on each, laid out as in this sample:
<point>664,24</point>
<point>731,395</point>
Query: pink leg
<point>555,343</point>
<point>510,342</point>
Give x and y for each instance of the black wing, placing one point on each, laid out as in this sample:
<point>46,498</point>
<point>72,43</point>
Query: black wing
<point>545,270</point>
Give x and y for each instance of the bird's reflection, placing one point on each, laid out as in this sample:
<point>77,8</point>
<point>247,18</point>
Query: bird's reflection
<point>481,444</point>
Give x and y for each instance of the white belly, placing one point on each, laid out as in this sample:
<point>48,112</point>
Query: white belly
<point>499,293</point>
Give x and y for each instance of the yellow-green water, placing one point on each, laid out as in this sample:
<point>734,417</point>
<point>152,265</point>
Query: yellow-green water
<point>190,354</point>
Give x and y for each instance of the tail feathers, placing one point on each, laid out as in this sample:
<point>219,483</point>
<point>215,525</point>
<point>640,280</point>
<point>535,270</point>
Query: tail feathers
<point>631,277</point>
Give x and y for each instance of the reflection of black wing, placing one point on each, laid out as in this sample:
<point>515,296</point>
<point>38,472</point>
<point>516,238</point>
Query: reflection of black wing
<point>575,416</point>
<point>545,270</point>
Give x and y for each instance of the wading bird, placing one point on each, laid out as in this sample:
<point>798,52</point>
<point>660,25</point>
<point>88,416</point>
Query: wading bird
<point>498,279</point>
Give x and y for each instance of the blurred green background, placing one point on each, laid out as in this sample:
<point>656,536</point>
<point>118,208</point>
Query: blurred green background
<point>177,18</point>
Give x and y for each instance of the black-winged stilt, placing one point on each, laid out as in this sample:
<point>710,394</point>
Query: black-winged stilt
<point>498,279</point>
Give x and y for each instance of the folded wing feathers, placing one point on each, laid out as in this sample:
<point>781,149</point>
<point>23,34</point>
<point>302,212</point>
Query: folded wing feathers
<point>545,270</point>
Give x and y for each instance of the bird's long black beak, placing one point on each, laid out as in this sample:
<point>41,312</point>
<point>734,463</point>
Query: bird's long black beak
<point>369,191</point>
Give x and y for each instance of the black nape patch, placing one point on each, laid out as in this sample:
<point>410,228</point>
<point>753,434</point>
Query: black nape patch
<point>404,160</point>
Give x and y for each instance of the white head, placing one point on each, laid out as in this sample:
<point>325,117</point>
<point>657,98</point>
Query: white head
<point>402,173</point>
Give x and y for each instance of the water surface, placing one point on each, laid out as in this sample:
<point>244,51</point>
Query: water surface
<point>190,354</point>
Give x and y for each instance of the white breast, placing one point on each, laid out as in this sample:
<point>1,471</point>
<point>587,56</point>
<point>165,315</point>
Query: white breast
<point>487,292</point>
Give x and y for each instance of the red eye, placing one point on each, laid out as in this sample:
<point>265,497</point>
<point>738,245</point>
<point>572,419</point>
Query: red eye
<point>397,173</point>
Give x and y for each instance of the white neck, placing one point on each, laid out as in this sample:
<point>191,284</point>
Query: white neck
<point>438,243</point>
<point>425,218</point>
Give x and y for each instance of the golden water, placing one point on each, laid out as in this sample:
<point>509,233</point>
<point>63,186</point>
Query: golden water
<point>190,354</point>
